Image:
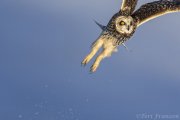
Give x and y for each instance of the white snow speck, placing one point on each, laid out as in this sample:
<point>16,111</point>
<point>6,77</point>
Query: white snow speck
<point>20,116</point>
<point>36,113</point>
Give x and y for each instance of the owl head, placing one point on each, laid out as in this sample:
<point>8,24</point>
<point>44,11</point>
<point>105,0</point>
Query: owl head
<point>124,24</point>
<point>121,27</point>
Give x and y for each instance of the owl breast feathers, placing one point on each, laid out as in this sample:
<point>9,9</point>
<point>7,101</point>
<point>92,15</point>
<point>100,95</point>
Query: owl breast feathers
<point>123,24</point>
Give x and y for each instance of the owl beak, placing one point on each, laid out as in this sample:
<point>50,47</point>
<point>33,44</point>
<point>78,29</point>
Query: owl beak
<point>128,27</point>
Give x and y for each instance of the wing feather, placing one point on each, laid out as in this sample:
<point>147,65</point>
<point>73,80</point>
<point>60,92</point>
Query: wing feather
<point>128,5</point>
<point>155,9</point>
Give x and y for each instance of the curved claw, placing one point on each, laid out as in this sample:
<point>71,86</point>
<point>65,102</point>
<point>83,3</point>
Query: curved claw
<point>93,68</point>
<point>86,60</point>
<point>83,64</point>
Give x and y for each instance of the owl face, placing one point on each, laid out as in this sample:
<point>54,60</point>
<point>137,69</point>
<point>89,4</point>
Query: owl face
<point>124,24</point>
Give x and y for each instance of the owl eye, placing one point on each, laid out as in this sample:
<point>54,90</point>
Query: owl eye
<point>122,23</point>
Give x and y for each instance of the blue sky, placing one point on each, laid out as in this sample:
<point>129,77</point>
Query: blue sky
<point>42,44</point>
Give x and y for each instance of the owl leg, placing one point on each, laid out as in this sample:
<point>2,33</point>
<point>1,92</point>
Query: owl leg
<point>105,53</point>
<point>95,47</point>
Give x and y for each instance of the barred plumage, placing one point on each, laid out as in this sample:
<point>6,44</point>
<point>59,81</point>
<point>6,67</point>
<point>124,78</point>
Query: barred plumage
<point>155,9</point>
<point>123,24</point>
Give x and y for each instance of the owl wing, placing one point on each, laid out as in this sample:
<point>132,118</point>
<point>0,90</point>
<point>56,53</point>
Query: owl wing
<point>155,9</point>
<point>128,6</point>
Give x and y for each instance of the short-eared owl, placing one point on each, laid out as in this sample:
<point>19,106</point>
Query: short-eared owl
<point>123,25</point>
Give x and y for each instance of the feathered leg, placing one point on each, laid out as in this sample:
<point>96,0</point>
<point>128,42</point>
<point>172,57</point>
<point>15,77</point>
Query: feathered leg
<point>95,47</point>
<point>105,53</point>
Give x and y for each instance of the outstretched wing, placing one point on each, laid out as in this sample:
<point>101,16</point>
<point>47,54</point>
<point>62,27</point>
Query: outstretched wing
<point>128,5</point>
<point>155,9</point>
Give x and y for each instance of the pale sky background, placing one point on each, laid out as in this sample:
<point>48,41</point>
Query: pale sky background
<point>42,43</point>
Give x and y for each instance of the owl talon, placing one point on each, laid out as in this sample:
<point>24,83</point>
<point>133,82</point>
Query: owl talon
<point>93,68</point>
<point>83,63</point>
<point>123,25</point>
